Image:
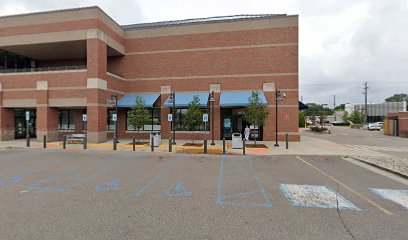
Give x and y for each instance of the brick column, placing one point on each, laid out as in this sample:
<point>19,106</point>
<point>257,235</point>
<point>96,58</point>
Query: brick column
<point>97,86</point>
<point>47,117</point>
<point>6,120</point>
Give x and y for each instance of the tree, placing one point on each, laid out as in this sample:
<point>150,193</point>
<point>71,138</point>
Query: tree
<point>302,119</point>
<point>397,98</point>
<point>345,116</point>
<point>356,117</point>
<point>139,116</point>
<point>340,107</point>
<point>317,110</point>
<point>194,116</point>
<point>256,114</point>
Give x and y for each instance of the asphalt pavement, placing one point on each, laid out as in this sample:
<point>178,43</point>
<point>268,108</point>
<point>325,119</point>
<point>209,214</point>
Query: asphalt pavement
<point>51,194</point>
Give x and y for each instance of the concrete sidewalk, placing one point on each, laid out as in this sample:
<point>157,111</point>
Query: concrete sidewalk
<point>308,146</point>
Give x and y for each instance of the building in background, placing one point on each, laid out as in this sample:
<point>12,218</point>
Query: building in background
<point>376,112</point>
<point>59,65</point>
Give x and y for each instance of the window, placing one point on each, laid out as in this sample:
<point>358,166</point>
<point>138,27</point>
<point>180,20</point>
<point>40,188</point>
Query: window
<point>66,120</point>
<point>154,123</point>
<point>180,121</point>
<point>111,123</point>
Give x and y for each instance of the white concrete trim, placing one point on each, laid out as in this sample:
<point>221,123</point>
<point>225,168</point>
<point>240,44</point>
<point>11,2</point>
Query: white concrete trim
<point>67,102</point>
<point>19,103</point>
<point>115,76</point>
<point>42,85</point>
<point>165,89</point>
<point>97,83</point>
<point>96,33</point>
<point>1,87</point>
<point>215,76</point>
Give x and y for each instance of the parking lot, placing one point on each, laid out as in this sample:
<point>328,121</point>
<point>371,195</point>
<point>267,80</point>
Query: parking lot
<point>51,194</point>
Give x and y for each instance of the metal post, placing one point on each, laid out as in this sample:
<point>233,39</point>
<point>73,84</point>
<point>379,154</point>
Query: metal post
<point>86,141</point>
<point>287,141</point>
<point>205,137</point>
<point>114,144</point>
<point>28,133</point>
<point>152,143</point>
<point>170,145</point>
<point>243,146</point>
<point>64,142</point>
<point>212,119</point>
<point>45,141</point>
<point>173,122</point>
<point>276,118</point>
<point>223,145</point>
<point>134,144</point>
<point>205,146</point>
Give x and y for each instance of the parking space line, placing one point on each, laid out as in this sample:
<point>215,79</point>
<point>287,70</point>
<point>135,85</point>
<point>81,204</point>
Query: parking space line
<point>347,187</point>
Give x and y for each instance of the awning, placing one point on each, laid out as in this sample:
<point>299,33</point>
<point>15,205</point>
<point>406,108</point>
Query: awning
<point>184,99</point>
<point>302,106</point>
<point>129,101</point>
<point>239,99</point>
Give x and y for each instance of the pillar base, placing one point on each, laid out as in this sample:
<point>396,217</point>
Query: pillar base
<point>52,136</point>
<point>6,135</point>
<point>97,137</point>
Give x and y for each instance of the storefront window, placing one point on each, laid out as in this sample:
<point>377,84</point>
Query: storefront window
<point>154,122</point>
<point>111,123</point>
<point>66,120</point>
<point>179,119</point>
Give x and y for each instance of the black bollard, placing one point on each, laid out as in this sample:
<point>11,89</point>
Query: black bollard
<point>170,145</point>
<point>152,143</point>
<point>64,142</point>
<point>223,146</point>
<point>287,141</point>
<point>243,146</point>
<point>205,146</point>
<point>44,141</point>
<point>86,141</point>
<point>134,144</point>
<point>114,144</point>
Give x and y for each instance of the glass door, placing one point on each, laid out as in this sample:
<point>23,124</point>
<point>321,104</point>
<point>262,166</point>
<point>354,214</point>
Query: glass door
<point>20,124</point>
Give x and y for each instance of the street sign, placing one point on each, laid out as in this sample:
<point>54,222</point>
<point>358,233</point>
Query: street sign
<point>205,117</point>
<point>114,117</point>
<point>170,117</point>
<point>84,118</point>
<point>286,117</point>
<point>27,115</point>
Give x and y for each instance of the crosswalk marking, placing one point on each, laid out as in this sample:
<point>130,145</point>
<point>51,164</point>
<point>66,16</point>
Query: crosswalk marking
<point>398,196</point>
<point>378,148</point>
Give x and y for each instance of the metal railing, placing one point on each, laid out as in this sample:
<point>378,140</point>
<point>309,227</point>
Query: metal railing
<point>43,69</point>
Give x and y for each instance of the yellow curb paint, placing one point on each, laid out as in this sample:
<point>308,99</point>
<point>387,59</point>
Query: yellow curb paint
<point>347,187</point>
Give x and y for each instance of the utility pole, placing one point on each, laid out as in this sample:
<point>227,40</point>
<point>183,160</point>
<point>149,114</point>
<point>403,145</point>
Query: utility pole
<point>365,102</point>
<point>334,107</point>
<point>301,99</point>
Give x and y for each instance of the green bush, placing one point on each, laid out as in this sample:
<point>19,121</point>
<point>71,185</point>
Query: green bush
<point>318,129</point>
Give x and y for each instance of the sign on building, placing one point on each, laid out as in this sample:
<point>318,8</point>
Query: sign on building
<point>205,117</point>
<point>170,117</point>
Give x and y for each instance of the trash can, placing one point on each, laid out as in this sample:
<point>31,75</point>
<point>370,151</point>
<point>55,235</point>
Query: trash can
<point>237,140</point>
<point>156,137</point>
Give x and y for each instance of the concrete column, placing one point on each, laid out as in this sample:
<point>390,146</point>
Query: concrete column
<point>97,86</point>
<point>6,124</point>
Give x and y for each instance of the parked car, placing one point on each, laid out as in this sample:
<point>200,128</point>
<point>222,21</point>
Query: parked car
<point>340,123</point>
<point>374,126</point>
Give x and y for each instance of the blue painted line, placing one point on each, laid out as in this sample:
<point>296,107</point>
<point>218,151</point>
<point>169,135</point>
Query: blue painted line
<point>239,194</point>
<point>178,191</point>
<point>233,181</point>
<point>398,196</point>
<point>47,181</point>
<point>152,181</point>
<point>322,193</point>
<point>220,198</point>
<point>114,185</point>
<point>263,191</point>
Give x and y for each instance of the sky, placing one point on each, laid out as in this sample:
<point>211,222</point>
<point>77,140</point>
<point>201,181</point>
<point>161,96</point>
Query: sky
<point>342,43</point>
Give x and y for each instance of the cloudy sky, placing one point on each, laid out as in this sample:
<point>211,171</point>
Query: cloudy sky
<point>343,43</point>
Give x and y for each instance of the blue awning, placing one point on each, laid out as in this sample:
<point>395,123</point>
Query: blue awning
<point>184,99</point>
<point>129,101</point>
<point>238,99</point>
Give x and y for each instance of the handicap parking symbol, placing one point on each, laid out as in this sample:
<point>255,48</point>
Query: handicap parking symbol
<point>178,191</point>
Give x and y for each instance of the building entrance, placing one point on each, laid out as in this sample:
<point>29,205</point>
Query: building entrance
<point>20,124</point>
<point>232,121</point>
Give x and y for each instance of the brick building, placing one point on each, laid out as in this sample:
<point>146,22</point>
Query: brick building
<point>396,124</point>
<point>60,65</point>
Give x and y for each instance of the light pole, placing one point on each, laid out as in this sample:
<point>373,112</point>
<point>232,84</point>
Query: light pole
<point>212,100</point>
<point>172,99</point>
<point>321,114</point>
<point>115,136</point>
<point>278,97</point>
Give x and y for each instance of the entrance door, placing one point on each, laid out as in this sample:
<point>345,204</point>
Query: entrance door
<point>20,124</point>
<point>232,121</point>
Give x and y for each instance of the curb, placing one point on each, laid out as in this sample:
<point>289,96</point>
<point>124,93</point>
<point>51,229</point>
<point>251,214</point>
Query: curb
<point>380,167</point>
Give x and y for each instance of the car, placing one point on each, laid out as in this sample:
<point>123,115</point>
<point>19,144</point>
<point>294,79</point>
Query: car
<point>374,126</point>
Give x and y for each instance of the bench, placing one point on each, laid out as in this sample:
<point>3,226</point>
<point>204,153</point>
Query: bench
<point>73,138</point>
